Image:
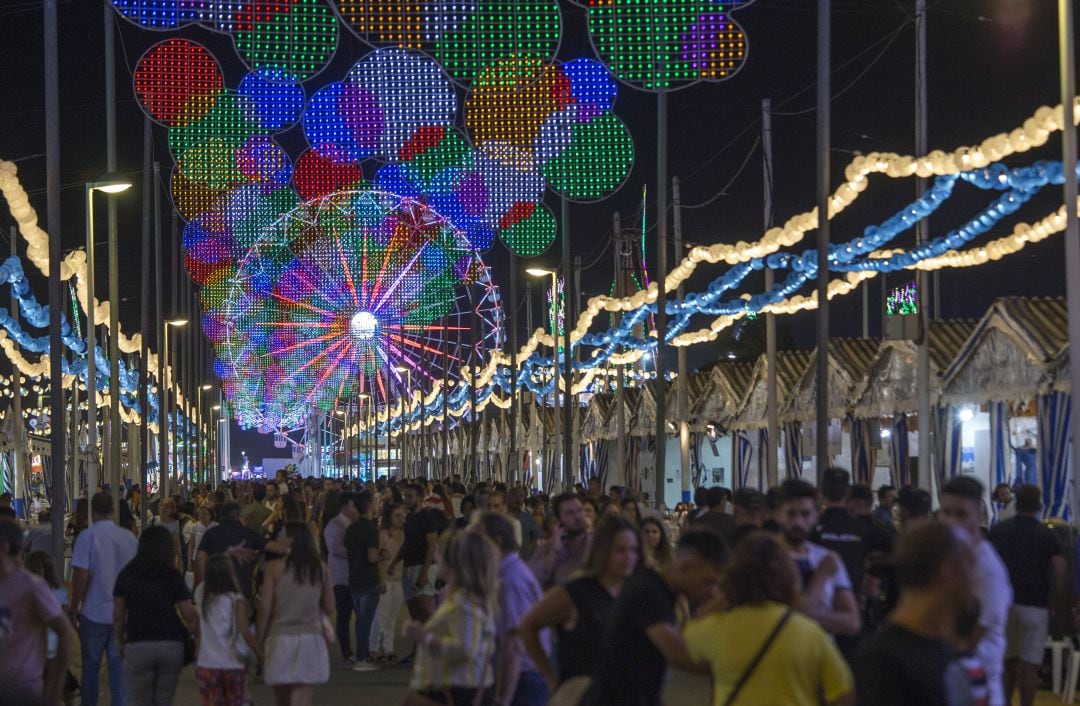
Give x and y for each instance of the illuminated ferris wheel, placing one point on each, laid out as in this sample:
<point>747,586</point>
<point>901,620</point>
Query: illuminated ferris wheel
<point>357,293</point>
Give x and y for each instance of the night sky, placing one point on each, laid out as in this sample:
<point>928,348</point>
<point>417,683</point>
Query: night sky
<point>991,64</point>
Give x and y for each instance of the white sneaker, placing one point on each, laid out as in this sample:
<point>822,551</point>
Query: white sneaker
<point>365,666</point>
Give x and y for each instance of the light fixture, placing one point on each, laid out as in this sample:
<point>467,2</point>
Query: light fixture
<point>216,408</point>
<point>539,272</point>
<point>886,433</point>
<point>110,184</point>
<point>966,415</point>
<point>732,356</point>
<point>401,369</point>
<point>176,322</point>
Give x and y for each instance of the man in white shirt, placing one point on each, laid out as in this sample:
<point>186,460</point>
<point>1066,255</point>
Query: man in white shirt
<point>338,563</point>
<point>827,595</point>
<point>961,507</point>
<point>100,552</point>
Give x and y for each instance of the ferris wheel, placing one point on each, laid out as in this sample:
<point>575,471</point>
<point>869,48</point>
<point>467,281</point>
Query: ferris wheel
<point>359,294</point>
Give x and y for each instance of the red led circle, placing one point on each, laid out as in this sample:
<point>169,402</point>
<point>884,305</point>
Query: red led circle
<point>177,81</point>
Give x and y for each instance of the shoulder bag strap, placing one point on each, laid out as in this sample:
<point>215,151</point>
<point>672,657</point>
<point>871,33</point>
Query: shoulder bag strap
<point>749,671</point>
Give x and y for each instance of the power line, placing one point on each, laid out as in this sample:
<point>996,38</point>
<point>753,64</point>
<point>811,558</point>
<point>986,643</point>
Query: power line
<point>731,181</point>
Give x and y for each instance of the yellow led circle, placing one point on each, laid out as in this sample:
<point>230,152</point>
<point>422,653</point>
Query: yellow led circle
<point>511,100</point>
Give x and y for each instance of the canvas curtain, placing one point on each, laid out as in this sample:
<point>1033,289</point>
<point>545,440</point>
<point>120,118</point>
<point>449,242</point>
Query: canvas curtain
<point>999,450</point>
<point>862,452</point>
<point>793,449</point>
<point>762,458</point>
<point>1053,410</point>
<point>744,450</point>
<point>947,443</point>
<point>899,452</point>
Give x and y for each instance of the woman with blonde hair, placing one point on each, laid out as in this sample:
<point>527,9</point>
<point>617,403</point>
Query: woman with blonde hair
<point>454,648</point>
<point>578,609</point>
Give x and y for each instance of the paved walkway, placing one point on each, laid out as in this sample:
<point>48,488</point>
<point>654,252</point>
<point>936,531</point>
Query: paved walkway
<point>387,687</point>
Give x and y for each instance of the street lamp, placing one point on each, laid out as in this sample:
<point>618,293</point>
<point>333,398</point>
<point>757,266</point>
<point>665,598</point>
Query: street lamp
<point>407,372</point>
<point>200,461</point>
<point>109,184</point>
<point>541,272</point>
<point>361,413</point>
<point>164,413</point>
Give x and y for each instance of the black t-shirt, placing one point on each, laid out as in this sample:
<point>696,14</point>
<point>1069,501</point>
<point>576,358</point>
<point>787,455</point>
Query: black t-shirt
<point>1026,546</point>
<point>151,604</point>
<point>719,523</point>
<point>843,534</point>
<point>578,648</point>
<point>630,671</point>
<point>897,667</point>
<point>417,526</point>
<point>359,537</point>
<point>228,534</point>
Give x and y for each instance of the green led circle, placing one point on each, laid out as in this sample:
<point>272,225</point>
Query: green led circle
<point>596,162</point>
<point>532,235</point>
<point>497,29</point>
<point>660,45</point>
<point>227,125</point>
<point>451,151</point>
<point>296,37</point>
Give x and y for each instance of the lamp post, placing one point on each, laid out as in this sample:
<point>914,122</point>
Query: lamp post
<point>164,413</point>
<point>108,184</point>
<point>541,272</point>
<point>361,414</point>
<point>215,444</point>
<point>200,461</point>
<point>401,369</point>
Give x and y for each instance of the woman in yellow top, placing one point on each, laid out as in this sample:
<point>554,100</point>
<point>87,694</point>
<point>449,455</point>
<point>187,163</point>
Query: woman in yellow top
<point>800,667</point>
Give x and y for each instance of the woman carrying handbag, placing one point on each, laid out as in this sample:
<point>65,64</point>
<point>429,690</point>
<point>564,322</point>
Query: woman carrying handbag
<point>758,591</point>
<point>455,647</point>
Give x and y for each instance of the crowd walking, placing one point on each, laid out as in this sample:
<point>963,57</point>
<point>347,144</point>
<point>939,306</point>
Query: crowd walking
<point>494,596</point>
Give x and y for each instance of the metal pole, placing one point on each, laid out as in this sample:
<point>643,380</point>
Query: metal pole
<point>661,296</point>
<point>515,460</point>
<point>91,353</point>
<point>159,339</point>
<point>772,462</point>
<point>1067,54</point>
<point>52,195</point>
<point>823,123</point>
<point>558,475</point>
<point>681,382</point>
<point>166,409</point>
<point>174,273</point>
<point>573,309</point>
<point>922,363</point>
<point>620,375</point>
<point>187,379</point>
<point>144,316</point>
<point>115,425</point>
<point>568,368</point>
<point>18,450</point>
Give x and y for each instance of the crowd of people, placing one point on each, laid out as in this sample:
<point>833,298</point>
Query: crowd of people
<point>799,595</point>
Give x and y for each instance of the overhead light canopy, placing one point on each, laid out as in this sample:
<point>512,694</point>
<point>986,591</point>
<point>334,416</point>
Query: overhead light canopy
<point>176,322</point>
<point>206,387</point>
<point>539,272</point>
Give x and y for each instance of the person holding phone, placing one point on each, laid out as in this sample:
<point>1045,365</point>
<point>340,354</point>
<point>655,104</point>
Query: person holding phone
<point>555,561</point>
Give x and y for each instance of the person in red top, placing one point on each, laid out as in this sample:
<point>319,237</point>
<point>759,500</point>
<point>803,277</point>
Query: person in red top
<point>27,607</point>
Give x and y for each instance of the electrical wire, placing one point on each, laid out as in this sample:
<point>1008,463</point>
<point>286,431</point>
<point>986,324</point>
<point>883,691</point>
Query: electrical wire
<point>731,181</point>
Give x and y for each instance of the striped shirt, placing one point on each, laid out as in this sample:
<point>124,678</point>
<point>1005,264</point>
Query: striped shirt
<point>464,640</point>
